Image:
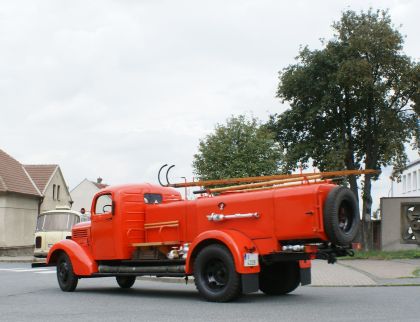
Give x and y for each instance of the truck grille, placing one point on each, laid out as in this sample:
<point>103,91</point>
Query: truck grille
<point>80,236</point>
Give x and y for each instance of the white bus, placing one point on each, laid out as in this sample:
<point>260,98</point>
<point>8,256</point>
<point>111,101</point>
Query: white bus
<point>53,226</point>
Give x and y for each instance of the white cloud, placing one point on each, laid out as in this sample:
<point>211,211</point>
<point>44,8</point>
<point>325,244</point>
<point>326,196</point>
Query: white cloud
<point>117,88</point>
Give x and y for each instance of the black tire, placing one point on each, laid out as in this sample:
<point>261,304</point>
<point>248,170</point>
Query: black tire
<point>67,280</point>
<point>341,216</point>
<point>215,276</point>
<point>126,281</point>
<point>279,278</point>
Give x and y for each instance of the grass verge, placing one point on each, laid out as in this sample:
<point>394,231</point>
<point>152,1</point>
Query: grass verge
<point>375,254</point>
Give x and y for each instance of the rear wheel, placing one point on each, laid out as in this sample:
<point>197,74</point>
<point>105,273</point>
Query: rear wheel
<point>279,278</point>
<point>215,276</point>
<point>126,281</point>
<point>67,280</point>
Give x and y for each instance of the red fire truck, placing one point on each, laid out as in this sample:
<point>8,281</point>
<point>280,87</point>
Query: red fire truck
<point>233,243</point>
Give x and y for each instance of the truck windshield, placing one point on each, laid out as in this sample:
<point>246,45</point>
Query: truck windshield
<point>56,222</point>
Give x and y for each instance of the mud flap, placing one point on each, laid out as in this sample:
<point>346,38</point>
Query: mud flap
<point>305,276</point>
<point>250,283</point>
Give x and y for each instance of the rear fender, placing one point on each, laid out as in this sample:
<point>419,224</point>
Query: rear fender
<point>237,243</point>
<point>81,259</point>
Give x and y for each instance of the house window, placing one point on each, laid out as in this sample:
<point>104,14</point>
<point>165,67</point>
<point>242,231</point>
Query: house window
<point>414,180</point>
<point>58,192</point>
<point>418,185</point>
<point>53,191</point>
<point>404,184</point>
<point>409,182</point>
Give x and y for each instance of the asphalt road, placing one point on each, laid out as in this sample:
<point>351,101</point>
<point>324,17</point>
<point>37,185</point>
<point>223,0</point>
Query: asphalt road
<point>33,295</point>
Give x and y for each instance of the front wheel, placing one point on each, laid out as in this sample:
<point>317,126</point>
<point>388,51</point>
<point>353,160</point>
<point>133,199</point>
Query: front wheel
<point>67,280</point>
<point>215,276</point>
<point>126,281</point>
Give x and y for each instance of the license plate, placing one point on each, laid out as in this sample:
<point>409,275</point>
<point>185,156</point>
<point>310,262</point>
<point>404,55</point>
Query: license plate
<point>250,259</point>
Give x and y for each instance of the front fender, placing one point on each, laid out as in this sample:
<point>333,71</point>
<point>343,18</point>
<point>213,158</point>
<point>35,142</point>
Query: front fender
<point>81,259</point>
<point>237,243</point>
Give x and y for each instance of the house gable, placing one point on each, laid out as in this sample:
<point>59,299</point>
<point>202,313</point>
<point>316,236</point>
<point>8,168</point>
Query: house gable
<point>56,192</point>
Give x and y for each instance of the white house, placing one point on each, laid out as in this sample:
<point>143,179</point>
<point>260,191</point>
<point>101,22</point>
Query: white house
<point>83,193</point>
<point>410,181</point>
<point>401,212</point>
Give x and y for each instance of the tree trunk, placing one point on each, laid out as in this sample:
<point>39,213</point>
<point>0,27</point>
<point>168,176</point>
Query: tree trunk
<point>353,186</point>
<point>367,234</point>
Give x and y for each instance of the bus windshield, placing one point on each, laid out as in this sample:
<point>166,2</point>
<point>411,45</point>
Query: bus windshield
<point>56,222</point>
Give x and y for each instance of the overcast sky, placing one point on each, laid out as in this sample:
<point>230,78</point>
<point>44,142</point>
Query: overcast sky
<point>118,88</point>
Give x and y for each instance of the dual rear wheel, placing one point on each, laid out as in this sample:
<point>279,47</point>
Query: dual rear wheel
<point>279,278</point>
<point>217,280</point>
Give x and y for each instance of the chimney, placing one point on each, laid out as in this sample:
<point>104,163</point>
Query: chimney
<point>99,180</point>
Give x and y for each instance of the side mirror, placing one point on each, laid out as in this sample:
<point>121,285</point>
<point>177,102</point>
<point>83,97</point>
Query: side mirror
<point>108,208</point>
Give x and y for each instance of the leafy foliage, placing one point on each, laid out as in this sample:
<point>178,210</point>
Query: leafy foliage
<point>240,148</point>
<point>349,100</point>
<point>354,103</point>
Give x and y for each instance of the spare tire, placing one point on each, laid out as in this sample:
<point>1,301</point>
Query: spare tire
<point>341,216</point>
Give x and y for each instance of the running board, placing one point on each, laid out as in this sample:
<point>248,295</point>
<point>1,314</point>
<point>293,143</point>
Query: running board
<point>183,275</point>
<point>142,270</point>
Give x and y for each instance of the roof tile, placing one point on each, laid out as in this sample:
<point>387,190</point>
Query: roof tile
<point>40,173</point>
<point>13,177</point>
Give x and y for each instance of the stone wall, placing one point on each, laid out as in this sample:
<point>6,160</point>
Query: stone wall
<point>392,223</point>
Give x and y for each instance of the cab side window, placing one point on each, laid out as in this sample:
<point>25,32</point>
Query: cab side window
<point>103,204</point>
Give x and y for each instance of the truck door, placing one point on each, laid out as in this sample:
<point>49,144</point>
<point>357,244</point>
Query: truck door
<point>103,227</point>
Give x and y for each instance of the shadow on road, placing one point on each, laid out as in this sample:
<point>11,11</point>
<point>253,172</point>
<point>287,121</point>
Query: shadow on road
<point>186,294</point>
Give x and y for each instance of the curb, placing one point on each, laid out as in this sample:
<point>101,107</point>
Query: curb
<point>190,281</point>
<point>21,260</point>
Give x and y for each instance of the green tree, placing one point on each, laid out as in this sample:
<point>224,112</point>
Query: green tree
<point>240,148</point>
<point>352,103</point>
